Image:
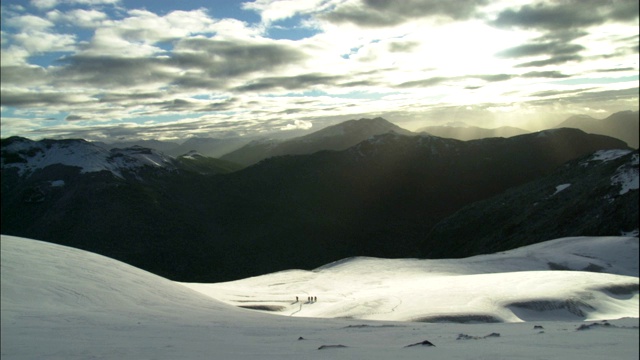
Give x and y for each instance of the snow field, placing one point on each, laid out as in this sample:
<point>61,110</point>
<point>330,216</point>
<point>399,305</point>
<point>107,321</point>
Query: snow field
<point>64,303</point>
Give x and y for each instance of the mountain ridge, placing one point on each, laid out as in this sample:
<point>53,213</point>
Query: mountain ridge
<point>568,202</point>
<point>623,125</point>
<point>471,132</point>
<point>377,198</point>
<point>335,137</point>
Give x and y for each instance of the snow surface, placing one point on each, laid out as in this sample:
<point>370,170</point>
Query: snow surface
<point>627,176</point>
<point>560,188</point>
<point>486,288</point>
<point>608,155</point>
<point>63,303</point>
<point>87,156</point>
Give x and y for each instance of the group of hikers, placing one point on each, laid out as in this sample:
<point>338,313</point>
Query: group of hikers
<point>310,299</point>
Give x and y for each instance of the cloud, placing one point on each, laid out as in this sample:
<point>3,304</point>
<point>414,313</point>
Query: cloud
<point>305,81</point>
<point>23,75</point>
<point>552,48</point>
<point>551,61</point>
<point>566,14</point>
<point>29,22</point>
<point>74,118</point>
<point>558,50</point>
<point>232,58</point>
<point>78,17</point>
<point>36,42</point>
<point>620,98</point>
<point>186,71</point>
<point>381,13</point>
<point>274,10</point>
<point>545,74</point>
<point>49,4</point>
<point>402,46</point>
<point>111,72</point>
<point>495,77</point>
<point>555,93</point>
<point>298,124</point>
<point>423,83</point>
<point>40,98</point>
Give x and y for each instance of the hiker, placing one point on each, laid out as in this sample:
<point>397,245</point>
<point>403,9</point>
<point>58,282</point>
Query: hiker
<point>296,299</point>
<point>315,298</point>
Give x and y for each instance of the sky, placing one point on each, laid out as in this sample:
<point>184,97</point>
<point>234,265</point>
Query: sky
<point>126,69</point>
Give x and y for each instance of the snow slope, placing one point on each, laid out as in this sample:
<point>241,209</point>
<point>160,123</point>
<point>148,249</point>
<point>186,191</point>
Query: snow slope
<point>627,176</point>
<point>64,303</point>
<point>34,155</point>
<point>512,286</point>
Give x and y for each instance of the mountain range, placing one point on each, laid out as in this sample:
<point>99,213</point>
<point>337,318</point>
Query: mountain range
<point>379,197</point>
<point>249,150</point>
<point>621,125</point>
<point>336,137</point>
<point>472,132</point>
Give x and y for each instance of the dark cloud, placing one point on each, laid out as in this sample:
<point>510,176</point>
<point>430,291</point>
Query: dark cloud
<point>75,118</point>
<point>380,13</point>
<point>534,49</point>
<point>563,21</point>
<point>616,69</point>
<point>568,14</point>
<point>359,83</point>
<point>602,98</point>
<point>35,99</point>
<point>494,78</point>
<point>556,60</point>
<point>196,81</point>
<point>289,82</point>
<point>23,75</point>
<point>558,50</point>
<point>423,83</point>
<point>204,63</point>
<point>229,59</point>
<point>177,105</point>
<point>558,92</point>
<point>111,71</point>
<point>227,104</point>
<point>112,97</point>
<point>545,74</point>
<point>402,46</point>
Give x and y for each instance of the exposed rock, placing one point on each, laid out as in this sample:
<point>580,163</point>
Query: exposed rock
<point>423,343</point>
<point>338,346</point>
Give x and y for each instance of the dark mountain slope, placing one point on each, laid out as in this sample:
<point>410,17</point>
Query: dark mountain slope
<point>211,147</point>
<point>586,197</point>
<point>378,198</point>
<point>471,132</point>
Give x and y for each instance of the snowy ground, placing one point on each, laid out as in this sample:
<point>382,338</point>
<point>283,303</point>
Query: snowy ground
<point>63,303</point>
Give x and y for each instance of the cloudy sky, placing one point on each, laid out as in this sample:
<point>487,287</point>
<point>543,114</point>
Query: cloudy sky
<point>109,69</point>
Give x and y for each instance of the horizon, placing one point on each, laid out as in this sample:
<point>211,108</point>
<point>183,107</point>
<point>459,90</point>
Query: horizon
<point>122,70</point>
<point>299,132</point>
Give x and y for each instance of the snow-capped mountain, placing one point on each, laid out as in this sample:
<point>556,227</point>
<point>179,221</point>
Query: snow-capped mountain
<point>28,156</point>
